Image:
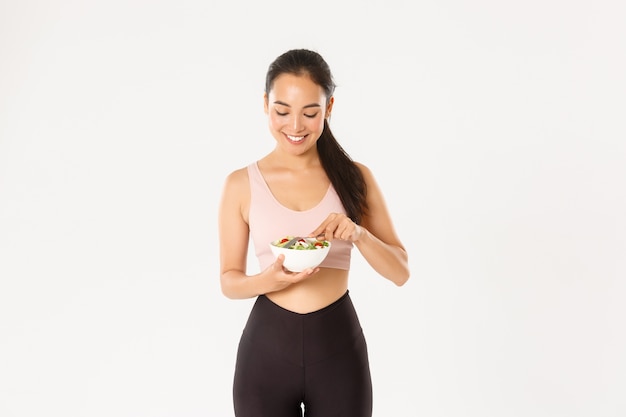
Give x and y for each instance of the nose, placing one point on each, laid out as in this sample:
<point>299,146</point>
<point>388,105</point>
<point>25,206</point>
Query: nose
<point>297,123</point>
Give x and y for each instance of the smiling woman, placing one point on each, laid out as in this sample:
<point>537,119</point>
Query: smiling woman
<point>297,109</point>
<point>306,186</point>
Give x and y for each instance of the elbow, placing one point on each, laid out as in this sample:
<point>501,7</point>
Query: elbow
<point>399,273</point>
<point>403,274</point>
<point>398,276</point>
<point>227,293</point>
<point>402,279</point>
<point>404,271</point>
<point>227,290</point>
<point>235,287</point>
<point>231,294</point>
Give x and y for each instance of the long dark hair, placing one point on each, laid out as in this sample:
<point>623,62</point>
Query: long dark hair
<point>344,174</point>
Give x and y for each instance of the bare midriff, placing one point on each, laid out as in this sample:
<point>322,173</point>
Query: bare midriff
<point>314,293</point>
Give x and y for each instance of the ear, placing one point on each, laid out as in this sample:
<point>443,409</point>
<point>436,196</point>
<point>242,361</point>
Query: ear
<point>265,103</point>
<point>329,106</point>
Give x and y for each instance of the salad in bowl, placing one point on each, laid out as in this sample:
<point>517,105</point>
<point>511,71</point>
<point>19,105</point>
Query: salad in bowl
<point>300,252</point>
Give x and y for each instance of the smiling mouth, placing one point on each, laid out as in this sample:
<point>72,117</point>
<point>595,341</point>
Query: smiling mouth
<point>296,138</point>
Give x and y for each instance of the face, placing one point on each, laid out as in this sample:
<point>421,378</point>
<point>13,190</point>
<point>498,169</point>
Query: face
<point>296,109</point>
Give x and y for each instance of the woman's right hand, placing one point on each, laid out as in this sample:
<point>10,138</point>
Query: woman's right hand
<point>279,278</point>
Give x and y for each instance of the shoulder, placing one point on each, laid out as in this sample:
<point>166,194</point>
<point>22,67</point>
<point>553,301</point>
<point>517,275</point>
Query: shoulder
<point>236,194</point>
<point>373,190</point>
<point>237,182</point>
<point>368,176</point>
<point>237,176</point>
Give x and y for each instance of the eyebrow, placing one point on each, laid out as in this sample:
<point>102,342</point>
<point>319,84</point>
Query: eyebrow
<point>282,103</point>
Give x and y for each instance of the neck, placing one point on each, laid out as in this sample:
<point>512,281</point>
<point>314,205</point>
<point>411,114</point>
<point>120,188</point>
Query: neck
<point>290,161</point>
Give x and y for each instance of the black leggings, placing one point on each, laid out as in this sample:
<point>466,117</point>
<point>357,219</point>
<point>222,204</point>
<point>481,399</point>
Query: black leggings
<point>318,359</point>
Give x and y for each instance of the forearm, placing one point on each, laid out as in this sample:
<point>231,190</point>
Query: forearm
<point>237,285</point>
<point>389,261</point>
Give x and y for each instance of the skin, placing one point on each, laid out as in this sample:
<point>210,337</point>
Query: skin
<point>296,107</point>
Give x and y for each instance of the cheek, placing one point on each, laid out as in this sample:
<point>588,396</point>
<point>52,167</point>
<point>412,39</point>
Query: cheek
<point>317,124</point>
<point>278,120</point>
<point>274,121</point>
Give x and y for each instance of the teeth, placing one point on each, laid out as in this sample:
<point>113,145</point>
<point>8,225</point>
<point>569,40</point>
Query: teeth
<point>295,138</point>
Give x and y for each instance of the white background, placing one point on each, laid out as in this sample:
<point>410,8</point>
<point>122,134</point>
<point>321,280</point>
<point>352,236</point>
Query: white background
<point>495,129</point>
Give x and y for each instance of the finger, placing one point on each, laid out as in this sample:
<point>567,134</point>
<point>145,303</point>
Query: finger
<point>329,224</point>
<point>329,232</point>
<point>321,229</point>
<point>340,232</point>
<point>307,272</point>
<point>344,229</point>
<point>278,263</point>
<point>349,231</point>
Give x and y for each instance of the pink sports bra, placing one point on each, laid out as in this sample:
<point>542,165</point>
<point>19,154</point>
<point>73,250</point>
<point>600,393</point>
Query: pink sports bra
<point>269,220</point>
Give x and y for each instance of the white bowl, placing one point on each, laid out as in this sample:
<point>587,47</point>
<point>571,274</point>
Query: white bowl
<point>297,260</point>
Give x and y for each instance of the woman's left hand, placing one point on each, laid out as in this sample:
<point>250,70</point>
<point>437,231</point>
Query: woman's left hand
<point>338,226</point>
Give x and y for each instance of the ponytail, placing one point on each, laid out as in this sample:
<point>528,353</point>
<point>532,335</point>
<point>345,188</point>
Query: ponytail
<point>344,175</point>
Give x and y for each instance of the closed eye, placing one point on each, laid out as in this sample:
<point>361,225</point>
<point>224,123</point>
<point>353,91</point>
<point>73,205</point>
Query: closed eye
<point>310,116</point>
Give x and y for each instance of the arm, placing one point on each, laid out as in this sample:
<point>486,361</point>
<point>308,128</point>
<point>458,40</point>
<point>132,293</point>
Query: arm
<point>234,235</point>
<point>378,241</point>
<point>375,238</point>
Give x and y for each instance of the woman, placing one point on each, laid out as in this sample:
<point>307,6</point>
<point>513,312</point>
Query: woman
<point>303,347</point>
